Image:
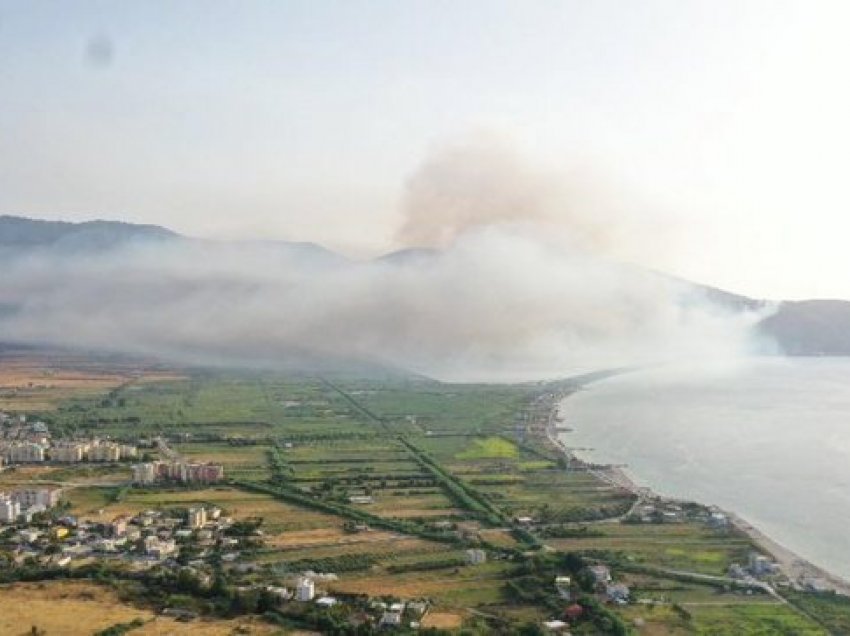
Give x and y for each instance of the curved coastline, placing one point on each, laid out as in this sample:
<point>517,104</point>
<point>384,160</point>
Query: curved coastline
<point>799,571</point>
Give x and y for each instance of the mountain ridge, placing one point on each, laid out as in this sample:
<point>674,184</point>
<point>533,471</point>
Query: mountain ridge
<point>812,327</point>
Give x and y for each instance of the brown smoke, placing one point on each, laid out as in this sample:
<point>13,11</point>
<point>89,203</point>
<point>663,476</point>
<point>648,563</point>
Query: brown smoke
<point>484,180</point>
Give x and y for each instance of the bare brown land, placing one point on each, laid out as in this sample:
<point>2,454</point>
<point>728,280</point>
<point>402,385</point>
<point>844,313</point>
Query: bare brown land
<point>73,608</point>
<point>39,381</point>
<point>442,620</point>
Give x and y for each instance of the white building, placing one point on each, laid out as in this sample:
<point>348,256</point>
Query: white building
<point>326,601</point>
<point>68,453</point>
<point>306,590</point>
<point>476,557</point>
<point>158,548</point>
<point>30,497</point>
<point>280,594</point>
<point>105,452</point>
<point>10,510</point>
<point>562,584</point>
<point>197,517</point>
<point>128,452</point>
<point>26,452</point>
<point>390,619</point>
<point>144,473</point>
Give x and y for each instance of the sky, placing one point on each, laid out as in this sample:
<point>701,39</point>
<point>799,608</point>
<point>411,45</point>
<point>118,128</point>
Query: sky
<point>715,134</point>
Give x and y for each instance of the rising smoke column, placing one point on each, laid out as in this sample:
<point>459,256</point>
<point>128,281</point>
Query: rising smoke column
<point>523,287</point>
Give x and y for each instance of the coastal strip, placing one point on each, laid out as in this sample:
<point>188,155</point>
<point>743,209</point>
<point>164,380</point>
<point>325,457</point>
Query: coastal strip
<point>800,572</point>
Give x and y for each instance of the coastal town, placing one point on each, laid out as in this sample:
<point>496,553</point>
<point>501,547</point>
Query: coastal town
<point>358,529</point>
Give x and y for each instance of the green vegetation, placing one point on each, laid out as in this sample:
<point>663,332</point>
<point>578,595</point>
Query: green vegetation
<point>830,610</point>
<point>386,483</point>
<point>490,448</point>
<point>751,620</point>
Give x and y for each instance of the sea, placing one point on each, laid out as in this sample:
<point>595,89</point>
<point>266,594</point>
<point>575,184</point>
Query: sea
<point>766,438</point>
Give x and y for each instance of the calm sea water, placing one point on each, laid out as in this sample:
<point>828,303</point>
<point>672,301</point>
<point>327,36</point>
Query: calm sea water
<point>769,439</point>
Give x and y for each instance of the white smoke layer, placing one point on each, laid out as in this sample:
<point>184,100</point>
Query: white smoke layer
<point>502,299</point>
<point>496,305</point>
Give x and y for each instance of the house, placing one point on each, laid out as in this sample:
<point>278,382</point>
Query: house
<point>600,573</point>
<point>573,612</point>
<point>555,625</point>
<point>562,584</point>
<point>417,607</point>
<point>58,532</point>
<point>29,536</point>
<point>476,556</point>
<point>326,601</point>
<point>736,571</point>
<point>159,548</point>
<point>280,594</point>
<point>718,520</point>
<point>10,510</point>
<point>196,517</point>
<point>617,593</point>
<point>306,590</point>
<point>361,499</point>
<point>390,619</point>
<point>760,565</point>
<point>672,516</point>
<point>134,533</point>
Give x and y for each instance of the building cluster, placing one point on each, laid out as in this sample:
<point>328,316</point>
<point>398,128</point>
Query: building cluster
<point>178,470</point>
<point>26,502</point>
<point>605,589</point>
<point>24,442</point>
<point>92,451</point>
<point>659,510</point>
<point>378,613</point>
<point>758,567</point>
<point>148,538</point>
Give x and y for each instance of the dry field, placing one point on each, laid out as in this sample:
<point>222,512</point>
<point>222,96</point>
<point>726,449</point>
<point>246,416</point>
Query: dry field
<point>278,517</point>
<point>74,608</point>
<point>439,584</point>
<point>442,620</point>
<point>40,382</point>
<point>26,475</point>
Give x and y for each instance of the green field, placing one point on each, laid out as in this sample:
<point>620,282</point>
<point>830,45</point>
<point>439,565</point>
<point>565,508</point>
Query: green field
<point>443,468</point>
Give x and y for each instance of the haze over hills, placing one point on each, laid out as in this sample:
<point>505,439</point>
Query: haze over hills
<point>23,233</point>
<point>415,308</point>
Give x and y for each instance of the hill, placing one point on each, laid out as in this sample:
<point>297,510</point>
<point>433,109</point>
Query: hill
<point>802,328</point>
<point>811,327</point>
<point>22,233</point>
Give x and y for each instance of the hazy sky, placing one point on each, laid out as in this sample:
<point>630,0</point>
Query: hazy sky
<point>727,121</point>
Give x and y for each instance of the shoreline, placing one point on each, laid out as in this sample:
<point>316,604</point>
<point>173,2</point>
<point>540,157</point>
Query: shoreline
<point>798,570</point>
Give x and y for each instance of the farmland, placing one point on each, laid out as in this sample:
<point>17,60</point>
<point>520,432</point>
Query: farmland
<point>386,483</point>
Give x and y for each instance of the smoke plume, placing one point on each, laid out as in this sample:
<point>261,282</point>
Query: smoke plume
<point>500,300</point>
